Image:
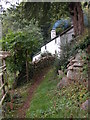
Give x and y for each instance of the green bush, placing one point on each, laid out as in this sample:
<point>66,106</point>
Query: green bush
<point>46,54</point>
<point>69,50</point>
<point>34,69</point>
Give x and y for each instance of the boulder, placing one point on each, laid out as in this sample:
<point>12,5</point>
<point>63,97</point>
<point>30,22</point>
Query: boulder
<point>74,61</point>
<point>64,82</point>
<point>78,57</point>
<point>60,72</point>
<point>74,74</point>
<point>75,68</point>
<point>84,106</point>
<point>71,58</point>
<point>79,64</point>
<point>70,68</point>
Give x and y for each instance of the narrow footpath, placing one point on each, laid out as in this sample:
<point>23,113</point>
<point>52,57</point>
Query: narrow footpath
<point>38,79</point>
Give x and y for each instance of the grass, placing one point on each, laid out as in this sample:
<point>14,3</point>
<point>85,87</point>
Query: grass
<point>48,102</point>
<point>41,100</point>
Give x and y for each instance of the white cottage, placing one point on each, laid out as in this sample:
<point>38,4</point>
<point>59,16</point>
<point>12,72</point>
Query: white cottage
<point>53,46</point>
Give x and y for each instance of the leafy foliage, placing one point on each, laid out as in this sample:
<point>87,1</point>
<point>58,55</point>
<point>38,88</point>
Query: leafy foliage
<point>29,39</point>
<point>70,49</point>
<point>46,14</point>
<point>46,54</point>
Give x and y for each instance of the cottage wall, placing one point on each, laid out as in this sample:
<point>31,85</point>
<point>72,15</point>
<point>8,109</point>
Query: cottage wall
<point>53,47</point>
<point>67,36</point>
<point>36,57</point>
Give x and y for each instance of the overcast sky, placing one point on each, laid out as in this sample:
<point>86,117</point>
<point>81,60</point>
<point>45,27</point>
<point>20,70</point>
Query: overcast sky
<point>7,3</point>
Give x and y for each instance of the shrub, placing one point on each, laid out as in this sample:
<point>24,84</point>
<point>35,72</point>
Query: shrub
<point>69,50</point>
<point>35,68</point>
<point>46,54</point>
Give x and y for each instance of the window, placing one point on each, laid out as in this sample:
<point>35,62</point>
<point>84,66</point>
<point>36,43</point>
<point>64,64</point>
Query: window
<point>73,36</point>
<point>55,52</point>
<point>55,41</point>
<point>45,47</point>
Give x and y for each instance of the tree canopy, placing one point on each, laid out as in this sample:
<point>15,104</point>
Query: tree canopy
<point>29,39</point>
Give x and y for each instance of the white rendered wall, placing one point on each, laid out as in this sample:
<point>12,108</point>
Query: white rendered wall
<point>43,49</point>
<point>53,34</point>
<point>68,35</point>
<point>53,47</point>
<point>36,57</point>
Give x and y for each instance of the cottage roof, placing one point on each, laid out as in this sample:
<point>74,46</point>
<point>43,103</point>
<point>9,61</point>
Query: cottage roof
<point>64,32</point>
<point>63,23</point>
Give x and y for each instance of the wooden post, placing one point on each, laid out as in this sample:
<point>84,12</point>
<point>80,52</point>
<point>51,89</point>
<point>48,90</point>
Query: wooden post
<point>3,87</point>
<point>5,73</point>
<point>3,81</point>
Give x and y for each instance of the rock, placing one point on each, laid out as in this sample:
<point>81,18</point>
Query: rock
<point>69,64</point>
<point>75,68</point>
<point>60,72</point>
<point>64,82</point>
<point>84,106</point>
<point>72,62</point>
<point>70,67</point>
<point>73,74</point>
<point>78,69</point>
<point>78,64</point>
<point>78,57</point>
<point>71,59</point>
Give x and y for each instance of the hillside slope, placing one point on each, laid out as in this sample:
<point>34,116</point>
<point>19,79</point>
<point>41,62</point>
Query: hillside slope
<point>52,103</point>
<point>22,96</point>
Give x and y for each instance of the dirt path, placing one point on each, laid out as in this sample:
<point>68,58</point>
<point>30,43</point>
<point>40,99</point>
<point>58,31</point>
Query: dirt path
<point>38,79</point>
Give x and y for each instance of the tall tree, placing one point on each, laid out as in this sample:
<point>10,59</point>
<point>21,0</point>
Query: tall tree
<point>46,14</point>
<point>22,45</point>
<point>77,16</point>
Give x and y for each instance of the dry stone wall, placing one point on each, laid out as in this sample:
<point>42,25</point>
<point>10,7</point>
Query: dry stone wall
<point>75,67</point>
<point>74,71</point>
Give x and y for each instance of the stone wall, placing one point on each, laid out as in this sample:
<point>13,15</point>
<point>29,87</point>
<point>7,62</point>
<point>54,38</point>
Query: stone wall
<point>75,67</point>
<point>75,72</point>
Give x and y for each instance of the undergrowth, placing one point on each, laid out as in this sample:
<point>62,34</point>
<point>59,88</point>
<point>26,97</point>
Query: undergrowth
<point>48,102</point>
<point>70,49</point>
<point>22,92</point>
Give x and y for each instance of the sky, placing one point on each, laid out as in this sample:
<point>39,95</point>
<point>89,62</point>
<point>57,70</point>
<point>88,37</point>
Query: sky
<point>7,3</point>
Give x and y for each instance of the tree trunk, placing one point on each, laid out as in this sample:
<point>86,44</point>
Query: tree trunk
<point>80,19</point>
<point>15,81</point>
<point>27,66</point>
<point>77,17</point>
